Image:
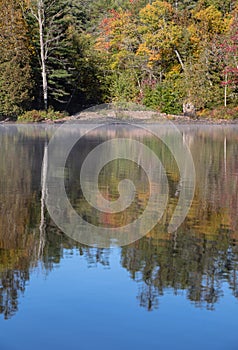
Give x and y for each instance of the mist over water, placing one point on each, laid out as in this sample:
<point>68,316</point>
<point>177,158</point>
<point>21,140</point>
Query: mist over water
<point>186,280</point>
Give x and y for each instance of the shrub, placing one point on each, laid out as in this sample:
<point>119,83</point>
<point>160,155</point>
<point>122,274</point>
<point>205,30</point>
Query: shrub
<point>163,97</point>
<point>123,87</point>
<point>222,113</point>
<point>36,116</point>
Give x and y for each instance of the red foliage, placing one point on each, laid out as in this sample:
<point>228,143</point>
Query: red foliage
<point>229,56</point>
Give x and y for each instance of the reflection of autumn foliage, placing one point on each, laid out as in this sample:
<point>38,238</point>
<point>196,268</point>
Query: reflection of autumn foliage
<point>204,251</point>
<point>187,261</point>
<point>19,214</point>
<point>197,259</point>
<point>217,169</point>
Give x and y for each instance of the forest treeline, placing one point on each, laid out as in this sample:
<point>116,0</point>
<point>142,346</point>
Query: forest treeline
<point>71,54</point>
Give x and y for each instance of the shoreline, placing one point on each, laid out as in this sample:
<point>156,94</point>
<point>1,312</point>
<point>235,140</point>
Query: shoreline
<point>149,117</point>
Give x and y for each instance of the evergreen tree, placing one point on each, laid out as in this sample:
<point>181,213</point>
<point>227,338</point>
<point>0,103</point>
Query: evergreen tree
<point>15,70</point>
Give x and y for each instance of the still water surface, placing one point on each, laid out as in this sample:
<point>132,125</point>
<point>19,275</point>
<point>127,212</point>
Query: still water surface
<point>164,291</point>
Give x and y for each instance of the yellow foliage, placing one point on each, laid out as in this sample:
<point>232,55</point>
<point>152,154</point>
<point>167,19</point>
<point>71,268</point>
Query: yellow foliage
<point>194,36</point>
<point>157,11</point>
<point>211,21</point>
<point>176,69</point>
<point>143,49</point>
<point>154,57</point>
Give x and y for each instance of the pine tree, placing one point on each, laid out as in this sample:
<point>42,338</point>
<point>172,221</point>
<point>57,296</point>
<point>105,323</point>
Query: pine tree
<point>15,70</point>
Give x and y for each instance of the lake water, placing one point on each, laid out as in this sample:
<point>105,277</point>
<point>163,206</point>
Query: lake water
<point>176,290</point>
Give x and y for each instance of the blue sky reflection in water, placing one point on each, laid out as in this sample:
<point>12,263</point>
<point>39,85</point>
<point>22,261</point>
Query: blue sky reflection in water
<point>165,291</point>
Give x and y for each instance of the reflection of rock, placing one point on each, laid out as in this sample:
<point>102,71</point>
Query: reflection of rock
<point>189,109</point>
<point>195,260</point>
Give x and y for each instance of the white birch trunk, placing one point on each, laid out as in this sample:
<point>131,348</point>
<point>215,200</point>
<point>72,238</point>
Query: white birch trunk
<point>225,92</point>
<point>43,199</point>
<point>40,18</point>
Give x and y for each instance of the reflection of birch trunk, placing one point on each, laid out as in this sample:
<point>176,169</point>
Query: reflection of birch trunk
<point>225,145</point>
<point>175,242</point>
<point>43,198</point>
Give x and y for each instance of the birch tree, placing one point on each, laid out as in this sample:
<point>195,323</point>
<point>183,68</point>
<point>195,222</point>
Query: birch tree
<point>52,25</point>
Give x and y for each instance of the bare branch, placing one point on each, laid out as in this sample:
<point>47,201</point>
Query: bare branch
<point>180,59</point>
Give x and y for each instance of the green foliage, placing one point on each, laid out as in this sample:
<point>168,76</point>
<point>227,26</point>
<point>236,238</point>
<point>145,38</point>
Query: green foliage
<point>164,97</point>
<point>224,6</point>
<point>101,51</point>
<point>15,71</point>
<point>15,88</point>
<point>88,72</point>
<point>123,86</point>
<point>35,116</point>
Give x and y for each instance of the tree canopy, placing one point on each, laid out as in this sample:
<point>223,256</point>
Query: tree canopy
<point>71,54</point>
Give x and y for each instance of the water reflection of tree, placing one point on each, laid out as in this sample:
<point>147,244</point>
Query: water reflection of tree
<point>198,266</point>
<point>197,260</point>
<point>18,214</point>
<point>12,284</point>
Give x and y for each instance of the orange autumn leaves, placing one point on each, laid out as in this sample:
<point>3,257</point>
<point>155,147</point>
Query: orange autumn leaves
<point>148,37</point>
<point>152,35</point>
